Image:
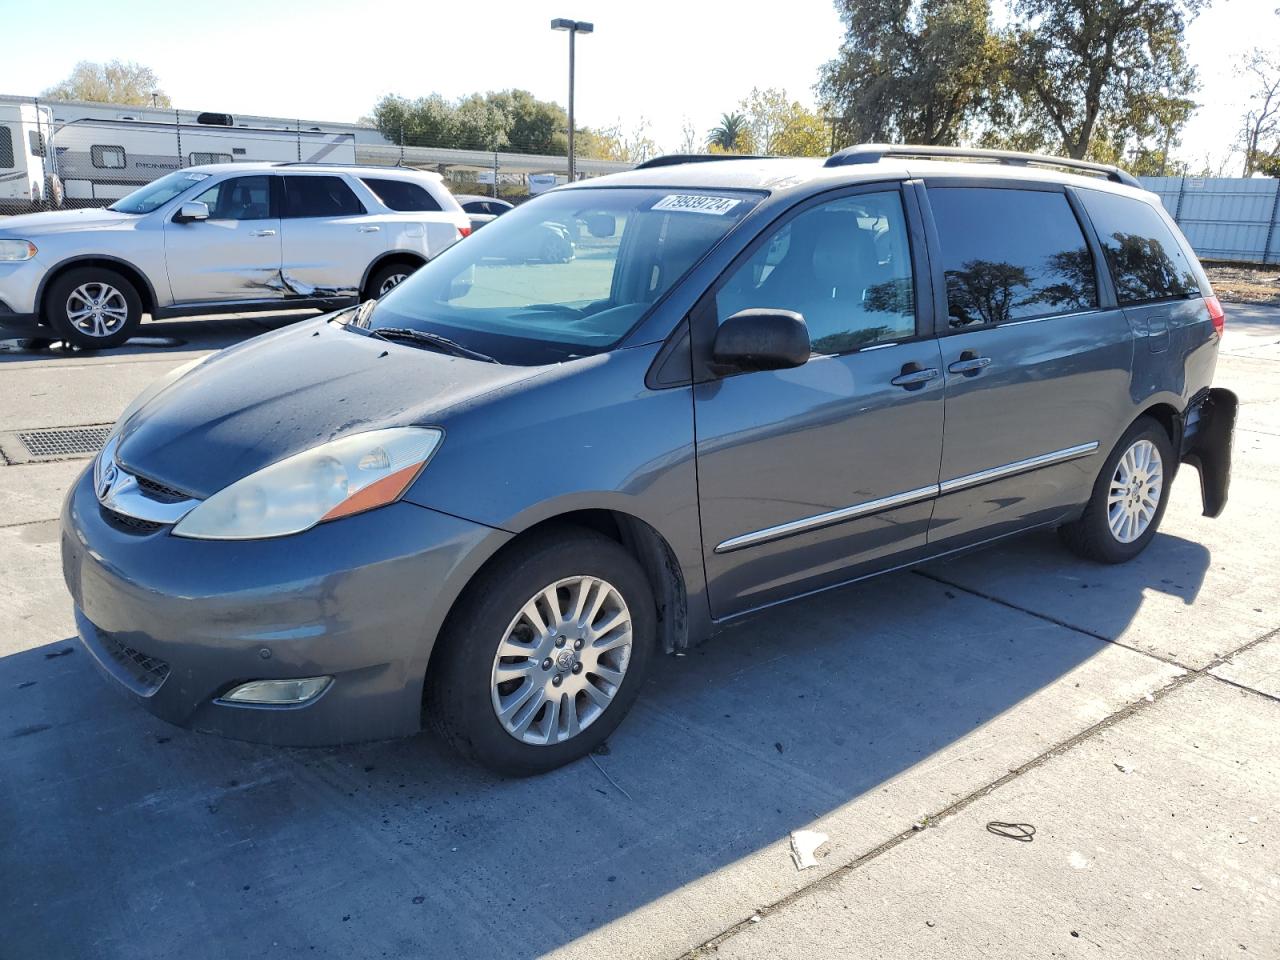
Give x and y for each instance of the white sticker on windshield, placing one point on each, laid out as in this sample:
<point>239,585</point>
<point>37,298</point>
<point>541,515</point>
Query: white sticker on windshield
<point>696,203</point>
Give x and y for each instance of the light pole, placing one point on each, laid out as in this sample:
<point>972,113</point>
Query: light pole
<point>574,27</point>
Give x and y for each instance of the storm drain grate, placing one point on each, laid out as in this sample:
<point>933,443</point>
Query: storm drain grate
<point>68,442</point>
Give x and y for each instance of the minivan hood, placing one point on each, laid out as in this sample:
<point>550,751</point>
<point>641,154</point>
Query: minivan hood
<point>289,391</point>
<point>28,225</point>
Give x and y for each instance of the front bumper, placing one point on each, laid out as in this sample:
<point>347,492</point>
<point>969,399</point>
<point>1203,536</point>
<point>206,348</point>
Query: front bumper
<point>176,623</point>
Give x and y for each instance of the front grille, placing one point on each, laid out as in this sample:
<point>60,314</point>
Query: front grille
<point>148,672</point>
<point>129,524</point>
<point>158,491</point>
<point>68,442</point>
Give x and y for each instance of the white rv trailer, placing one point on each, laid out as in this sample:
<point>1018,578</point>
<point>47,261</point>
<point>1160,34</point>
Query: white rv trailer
<point>91,162</point>
<point>102,160</point>
<point>26,179</point>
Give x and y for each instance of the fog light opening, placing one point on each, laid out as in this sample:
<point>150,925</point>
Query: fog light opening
<point>277,692</point>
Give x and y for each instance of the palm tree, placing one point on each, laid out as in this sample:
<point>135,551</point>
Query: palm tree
<point>725,136</point>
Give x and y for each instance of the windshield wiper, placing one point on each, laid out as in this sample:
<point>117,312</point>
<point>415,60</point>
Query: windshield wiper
<point>432,340</point>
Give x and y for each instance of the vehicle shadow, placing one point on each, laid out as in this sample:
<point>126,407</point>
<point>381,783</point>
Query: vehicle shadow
<point>157,337</point>
<point>126,837</point>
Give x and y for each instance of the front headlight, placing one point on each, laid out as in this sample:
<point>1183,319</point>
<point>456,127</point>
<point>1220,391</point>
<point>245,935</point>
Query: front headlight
<point>17,250</point>
<point>335,479</point>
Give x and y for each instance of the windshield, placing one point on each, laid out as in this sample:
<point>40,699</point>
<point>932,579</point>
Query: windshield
<point>158,192</point>
<point>565,275</point>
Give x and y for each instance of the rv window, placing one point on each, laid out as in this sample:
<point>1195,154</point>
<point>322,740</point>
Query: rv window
<point>6,149</point>
<point>37,143</point>
<point>199,159</point>
<point>107,158</point>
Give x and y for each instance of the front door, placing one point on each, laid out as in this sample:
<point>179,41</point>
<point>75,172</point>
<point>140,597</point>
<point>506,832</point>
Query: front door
<point>235,254</point>
<point>329,238</point>
<point>1037,367</point>
<point>809,476</point>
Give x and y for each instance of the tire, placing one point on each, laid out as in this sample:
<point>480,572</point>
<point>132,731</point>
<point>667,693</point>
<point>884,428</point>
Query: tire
<point>78,289</point>
<point>464,692</point>
<point>393,274</point>
<point>1114,533</point>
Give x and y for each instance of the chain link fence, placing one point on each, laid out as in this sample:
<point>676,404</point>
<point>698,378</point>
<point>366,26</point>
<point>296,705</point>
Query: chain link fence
<point>70,156</point>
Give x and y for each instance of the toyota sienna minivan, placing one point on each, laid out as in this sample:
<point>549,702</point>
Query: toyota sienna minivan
<point>489,499</point>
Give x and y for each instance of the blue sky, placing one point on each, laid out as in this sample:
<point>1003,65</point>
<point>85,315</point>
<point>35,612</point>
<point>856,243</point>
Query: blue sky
<point>660,59</point>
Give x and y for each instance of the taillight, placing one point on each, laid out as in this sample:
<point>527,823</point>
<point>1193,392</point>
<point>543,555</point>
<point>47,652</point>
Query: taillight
<point>1216,314</point>
<point>464,232</point>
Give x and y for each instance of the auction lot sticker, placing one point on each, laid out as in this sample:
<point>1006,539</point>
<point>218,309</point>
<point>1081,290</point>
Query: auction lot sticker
<point>696,203</point>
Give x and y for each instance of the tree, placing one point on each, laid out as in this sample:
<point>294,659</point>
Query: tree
<point>916,71</point>
<point>1260,126</point>
<point>123,82</point>
<point>728,134</point>
<point>779,126</point>
<point>614,143</point>
<point>1080,67</point>
<point>690,142</point>
<point>507,119</point>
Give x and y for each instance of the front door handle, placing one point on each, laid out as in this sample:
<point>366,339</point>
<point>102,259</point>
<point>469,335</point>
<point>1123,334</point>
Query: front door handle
<point>969,364</point>
<point>262,233</point>
<point>914,376</point>
<point>370,229</point>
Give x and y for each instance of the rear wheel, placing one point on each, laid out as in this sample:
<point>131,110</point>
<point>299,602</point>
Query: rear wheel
<point>545,653</point>
<point>387,278</point>
<point>93,308</point>
<point>1129,497</point>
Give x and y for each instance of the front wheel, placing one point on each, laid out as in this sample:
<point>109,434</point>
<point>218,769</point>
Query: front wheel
<point>545,653</point>
<point>1129,497</point>
<point>93,308</point>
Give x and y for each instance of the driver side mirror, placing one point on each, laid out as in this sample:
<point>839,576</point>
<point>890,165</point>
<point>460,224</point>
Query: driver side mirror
<point>192,211</point>
<point>762,340</point>
<point>601,224</point>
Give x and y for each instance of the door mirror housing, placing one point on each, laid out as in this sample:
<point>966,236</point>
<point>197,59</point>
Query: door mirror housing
<point>762,340</point>
<point>191,211</point>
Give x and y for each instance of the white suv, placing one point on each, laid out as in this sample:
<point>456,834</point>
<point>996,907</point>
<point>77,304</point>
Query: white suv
<point>225,237</point>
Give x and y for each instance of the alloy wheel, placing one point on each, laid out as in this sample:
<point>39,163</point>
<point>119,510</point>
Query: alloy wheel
<point>1135,491</point>
<point>562,660</point>
<point>97,309</point>
<point>391,282</point>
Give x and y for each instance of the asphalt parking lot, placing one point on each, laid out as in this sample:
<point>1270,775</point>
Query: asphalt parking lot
<point>1131,715</point>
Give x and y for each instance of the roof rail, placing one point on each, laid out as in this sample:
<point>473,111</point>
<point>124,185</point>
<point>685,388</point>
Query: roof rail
<point>671,159</point>
<point>873,152</point>
<point>326,163</point>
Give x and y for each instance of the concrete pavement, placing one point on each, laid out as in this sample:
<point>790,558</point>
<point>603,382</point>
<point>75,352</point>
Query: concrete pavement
<point>1004,685</point>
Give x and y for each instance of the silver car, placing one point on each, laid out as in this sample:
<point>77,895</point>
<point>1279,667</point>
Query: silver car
<point>225,237</point>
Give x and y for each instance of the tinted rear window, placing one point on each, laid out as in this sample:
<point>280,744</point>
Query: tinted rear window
<point>1011,255</point>
<point>320,197</point>
<point>1146,260</point>
<point>401,194</point>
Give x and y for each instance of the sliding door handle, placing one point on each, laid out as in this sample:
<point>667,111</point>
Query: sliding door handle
<point>914,376</point>
<point>262,233</point>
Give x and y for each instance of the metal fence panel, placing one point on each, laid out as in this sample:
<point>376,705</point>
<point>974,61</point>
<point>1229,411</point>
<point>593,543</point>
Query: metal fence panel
<point>1224,218</point>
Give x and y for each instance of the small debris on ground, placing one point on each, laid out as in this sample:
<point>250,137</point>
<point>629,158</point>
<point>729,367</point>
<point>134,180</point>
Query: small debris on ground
<point>1124,768</point>
<point>804,844</point>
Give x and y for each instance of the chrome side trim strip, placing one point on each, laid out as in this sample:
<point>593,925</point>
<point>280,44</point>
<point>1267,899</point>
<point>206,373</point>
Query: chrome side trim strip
<point>869,507</point>
<point>827,519</point>
<point>1018,466</point>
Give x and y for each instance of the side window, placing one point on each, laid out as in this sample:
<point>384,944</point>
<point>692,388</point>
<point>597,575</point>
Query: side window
<point>36,143</point>
<point>401,194</point>
<point>239,198</point>
<point>107,157</point>
<point>845,266</point>
<point>1146,260</point>
<point>320,197</point>
<point>1011,255</point>
<point>6,148</point>
<point>200,159</point>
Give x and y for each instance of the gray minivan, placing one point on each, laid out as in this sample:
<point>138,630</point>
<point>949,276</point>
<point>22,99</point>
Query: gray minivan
<point>492,496</point>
